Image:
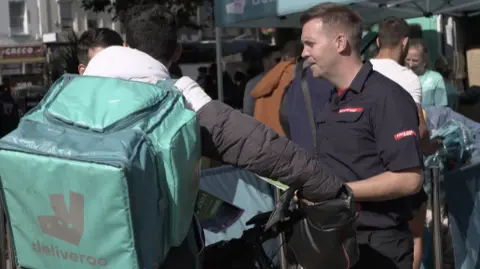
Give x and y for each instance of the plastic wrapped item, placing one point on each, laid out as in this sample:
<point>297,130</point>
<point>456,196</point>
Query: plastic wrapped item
<point>458,144</point>
<point>439,124</point>
<point>459,186</point>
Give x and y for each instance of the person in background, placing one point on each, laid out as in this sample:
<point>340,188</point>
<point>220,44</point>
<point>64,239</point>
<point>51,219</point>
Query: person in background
<point>443,67</point>
<point>393,35</point>
<point>212,85</point>
<point>268,61</point>
<point>229,87</point>
<point>9,114</point>
<point>93,41</point>
<point>7,85</point>
<point>240,79</point>
<point>269,91</point>
<point>434,91</point>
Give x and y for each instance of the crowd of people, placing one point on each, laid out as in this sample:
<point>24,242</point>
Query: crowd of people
<point>323,122</point>
<point>235,87</point>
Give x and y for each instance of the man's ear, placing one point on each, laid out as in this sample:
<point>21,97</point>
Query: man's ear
<point>405,42</point>
<point>378,42</point>
<point>125,44</point>
<point>342,43</point>
<point>81,69</point>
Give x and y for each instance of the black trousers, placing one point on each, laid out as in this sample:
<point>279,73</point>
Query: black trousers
<point>385,249</point>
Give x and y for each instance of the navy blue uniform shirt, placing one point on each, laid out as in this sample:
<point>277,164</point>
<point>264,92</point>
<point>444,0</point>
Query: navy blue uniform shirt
<point>295,115</point>
<point>371,128</point>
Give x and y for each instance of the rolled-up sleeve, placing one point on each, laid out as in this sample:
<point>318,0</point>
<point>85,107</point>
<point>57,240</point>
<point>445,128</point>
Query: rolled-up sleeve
<point>395,125</point>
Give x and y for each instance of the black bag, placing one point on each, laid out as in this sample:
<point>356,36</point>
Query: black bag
<point>324,237</point>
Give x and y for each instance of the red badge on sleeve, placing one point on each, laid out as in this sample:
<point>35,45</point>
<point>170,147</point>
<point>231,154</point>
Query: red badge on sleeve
<point>404,134</point>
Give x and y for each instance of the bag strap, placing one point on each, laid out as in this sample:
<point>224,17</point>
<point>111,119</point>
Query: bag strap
<point>308,103</point>
<point>283,113</point>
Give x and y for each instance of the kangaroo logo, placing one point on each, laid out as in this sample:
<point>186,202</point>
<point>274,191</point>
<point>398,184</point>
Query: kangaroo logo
<point>66,225</point>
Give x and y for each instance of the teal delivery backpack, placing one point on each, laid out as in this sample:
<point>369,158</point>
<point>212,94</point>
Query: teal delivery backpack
<point>103,173</point>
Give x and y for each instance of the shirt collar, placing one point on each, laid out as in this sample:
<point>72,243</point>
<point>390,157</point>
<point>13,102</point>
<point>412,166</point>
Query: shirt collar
<point>361,77</point>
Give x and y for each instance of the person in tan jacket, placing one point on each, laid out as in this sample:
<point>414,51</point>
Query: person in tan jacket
<point>269,91</point>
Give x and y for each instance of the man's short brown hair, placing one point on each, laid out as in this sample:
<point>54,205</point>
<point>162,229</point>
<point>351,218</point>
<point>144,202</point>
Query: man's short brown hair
<point>337,15</point>
<point>392,31</point>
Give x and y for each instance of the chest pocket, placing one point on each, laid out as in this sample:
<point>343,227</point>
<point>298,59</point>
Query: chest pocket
<point>335,117</point>
<point>345,126</point>
<point>343,135</point>
<point>348,117</point>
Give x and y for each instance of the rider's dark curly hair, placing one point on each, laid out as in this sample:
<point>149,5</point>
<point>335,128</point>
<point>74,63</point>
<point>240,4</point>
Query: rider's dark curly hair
<point>151,28</point>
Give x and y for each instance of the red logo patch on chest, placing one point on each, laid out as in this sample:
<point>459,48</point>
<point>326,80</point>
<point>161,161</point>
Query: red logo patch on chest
<point>404,134</point>
<point>350,110</point>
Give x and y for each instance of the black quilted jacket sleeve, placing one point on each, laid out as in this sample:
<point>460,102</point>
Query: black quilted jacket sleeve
<point>238,139</point>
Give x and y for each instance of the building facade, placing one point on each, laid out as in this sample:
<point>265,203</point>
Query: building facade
<point>23,23</point>
<point>26,26</point>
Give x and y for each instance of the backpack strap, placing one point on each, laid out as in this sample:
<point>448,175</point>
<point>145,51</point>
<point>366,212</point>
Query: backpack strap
<point>167,82</point>
<point>308,101</point>
<point>283,113</point>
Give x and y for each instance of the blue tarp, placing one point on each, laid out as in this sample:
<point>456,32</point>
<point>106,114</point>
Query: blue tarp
<point>438,116</point>
<point>462,195</point>
<point>244,190</point>
<point>462,192</point>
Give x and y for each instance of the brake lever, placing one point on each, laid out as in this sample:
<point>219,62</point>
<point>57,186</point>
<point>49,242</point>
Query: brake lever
<point>281,207</point>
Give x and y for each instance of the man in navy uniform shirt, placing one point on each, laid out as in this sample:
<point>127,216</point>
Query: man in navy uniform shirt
<point>367,134</point>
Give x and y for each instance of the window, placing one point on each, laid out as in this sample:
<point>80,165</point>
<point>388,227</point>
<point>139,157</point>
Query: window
<point>12,69</point>
<point>92,24</point>
<point>17,11</point>
<point>92,21</point>
<point>66,17</point>
<point>34,68</point>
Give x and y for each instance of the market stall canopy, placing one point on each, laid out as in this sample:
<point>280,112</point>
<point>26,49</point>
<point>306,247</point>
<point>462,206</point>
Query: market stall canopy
<point>204,51</point>
<point>286,13</point>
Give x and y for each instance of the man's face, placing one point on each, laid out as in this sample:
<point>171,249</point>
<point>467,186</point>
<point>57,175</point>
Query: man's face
<point>319,47</point>
<point>91,54</point>
<point>415,60</point>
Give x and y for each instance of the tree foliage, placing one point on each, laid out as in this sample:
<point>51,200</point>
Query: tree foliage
<point>184,9</point>
<point>63,58</point>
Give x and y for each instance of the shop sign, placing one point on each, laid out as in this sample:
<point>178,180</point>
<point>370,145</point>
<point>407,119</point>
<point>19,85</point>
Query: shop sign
<point>21,52</point>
